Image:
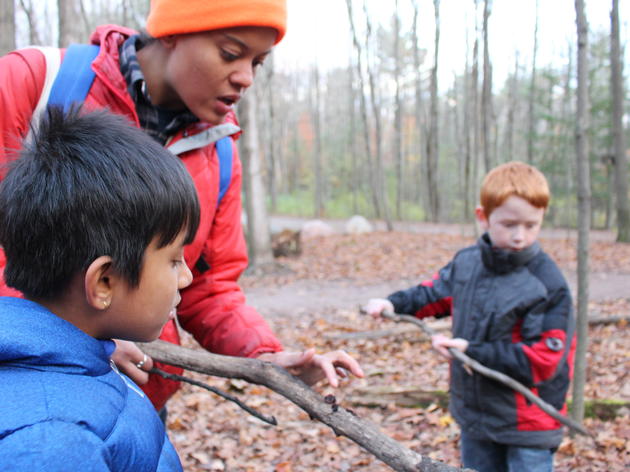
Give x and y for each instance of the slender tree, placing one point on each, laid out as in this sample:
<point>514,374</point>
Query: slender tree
<point>372,178</point>
<point>467,125</point>
<point>618,99</point>
<point>274,149</point>
<point>375,105</point>
<point>398,111</point>
<point>31,19</point>
<point>511,112</point>
<point>315,104</point>
<point>355,171</point>
<point>584,209</point>
<point>531,116</point>
<point>486,92</point>
<point>71,29</point>
<point>258,234</point>
<point>433,133</point>
<point>7,26</point>
<point>418,59</point>
<point>475,110</point>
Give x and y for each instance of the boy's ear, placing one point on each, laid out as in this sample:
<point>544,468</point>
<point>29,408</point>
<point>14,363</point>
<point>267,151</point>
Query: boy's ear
<point>99,280</point>
<point>481,217</point>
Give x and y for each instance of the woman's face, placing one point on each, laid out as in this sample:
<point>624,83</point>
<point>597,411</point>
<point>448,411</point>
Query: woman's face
<point>208,72</point>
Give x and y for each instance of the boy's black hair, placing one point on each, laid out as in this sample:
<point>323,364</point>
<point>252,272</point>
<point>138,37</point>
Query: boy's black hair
<point>88,185</point>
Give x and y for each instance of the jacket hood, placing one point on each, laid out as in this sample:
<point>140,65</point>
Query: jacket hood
<point>33,337</point>
<point>502,261</point>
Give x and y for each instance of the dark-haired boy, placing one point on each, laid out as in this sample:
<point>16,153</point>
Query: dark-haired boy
<point>94,216</point>
<point>512,311</point>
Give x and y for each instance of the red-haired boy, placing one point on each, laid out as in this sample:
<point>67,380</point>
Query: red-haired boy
<point>512,311</point>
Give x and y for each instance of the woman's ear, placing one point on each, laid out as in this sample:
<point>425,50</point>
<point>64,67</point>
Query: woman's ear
<point>481,217</point>
<point>168,41</point>
<point>99,283</point>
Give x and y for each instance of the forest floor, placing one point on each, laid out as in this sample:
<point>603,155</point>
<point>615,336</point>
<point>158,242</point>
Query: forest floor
<point>312,301</point>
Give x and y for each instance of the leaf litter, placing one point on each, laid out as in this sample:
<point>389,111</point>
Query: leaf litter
<point>211,434</point>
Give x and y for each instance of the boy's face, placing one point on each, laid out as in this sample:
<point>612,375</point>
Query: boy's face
<point>514,225</point>
<point>139,313</point>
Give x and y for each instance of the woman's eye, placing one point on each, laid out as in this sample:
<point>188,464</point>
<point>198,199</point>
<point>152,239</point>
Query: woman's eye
<point>228,56</point>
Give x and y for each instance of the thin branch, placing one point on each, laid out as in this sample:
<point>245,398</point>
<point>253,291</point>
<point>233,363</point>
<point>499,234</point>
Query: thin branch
<point>493,374</point>
<point>267,419</point>
<point>326,410</point>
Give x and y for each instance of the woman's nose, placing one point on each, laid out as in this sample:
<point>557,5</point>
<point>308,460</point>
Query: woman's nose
<point>243,76</point>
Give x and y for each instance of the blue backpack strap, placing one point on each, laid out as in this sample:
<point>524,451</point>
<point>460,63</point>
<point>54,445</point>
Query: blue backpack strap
<point>224,151</point>
<point>75,76</point>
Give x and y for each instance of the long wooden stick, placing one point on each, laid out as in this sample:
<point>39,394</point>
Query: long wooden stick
<point>324,409</point>
<point>493,374</point>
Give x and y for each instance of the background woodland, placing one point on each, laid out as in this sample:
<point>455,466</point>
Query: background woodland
<point>386,136</point>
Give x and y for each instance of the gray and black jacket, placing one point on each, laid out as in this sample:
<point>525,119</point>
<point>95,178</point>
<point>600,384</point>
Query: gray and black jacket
<point>515,309</point>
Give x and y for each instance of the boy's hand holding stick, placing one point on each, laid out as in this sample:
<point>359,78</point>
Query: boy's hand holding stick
<point>471,364</point>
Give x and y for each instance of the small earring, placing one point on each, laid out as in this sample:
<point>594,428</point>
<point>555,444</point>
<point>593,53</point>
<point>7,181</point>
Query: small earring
<point>105,303</point>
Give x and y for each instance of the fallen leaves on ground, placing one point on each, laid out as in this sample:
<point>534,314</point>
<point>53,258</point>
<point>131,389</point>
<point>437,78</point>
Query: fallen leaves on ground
<point>211,434</point>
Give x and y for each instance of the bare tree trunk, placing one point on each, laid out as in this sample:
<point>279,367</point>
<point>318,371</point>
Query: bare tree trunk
<point>272,161</point>
<point>475,112</point>
<point>468,197</point>
<point>512,104</point>
<point>317,145</point>
<point>418,108</point>
<point>352,142</point>
<point>70,28</point>
<point>7,26</point>
<point>33,34</point>
<point>259,238</point>
<point>532,97</point>
<point>364,116</point>
<point>380,180</point>
<point>486,92</point>
<point>567,110</point>
<point>584,210</point>
<point>398,115</point>
<point>290,183</point>
<point>433,135</point>
<point>620,159</point>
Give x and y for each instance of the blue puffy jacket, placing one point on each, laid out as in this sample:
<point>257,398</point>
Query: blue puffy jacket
<point>63,407</point>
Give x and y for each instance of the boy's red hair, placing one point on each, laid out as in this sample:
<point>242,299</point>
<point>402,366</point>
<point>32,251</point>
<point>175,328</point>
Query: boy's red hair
<point>514,178</point>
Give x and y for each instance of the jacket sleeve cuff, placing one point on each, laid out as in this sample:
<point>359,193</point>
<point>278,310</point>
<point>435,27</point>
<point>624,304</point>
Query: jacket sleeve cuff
<point>475,351</point>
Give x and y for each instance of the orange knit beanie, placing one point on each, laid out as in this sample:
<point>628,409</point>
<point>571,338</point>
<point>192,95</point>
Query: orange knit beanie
<point>192,16</point>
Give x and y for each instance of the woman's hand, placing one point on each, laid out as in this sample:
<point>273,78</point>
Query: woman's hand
<point>311,367</point>
<point>132,362</point>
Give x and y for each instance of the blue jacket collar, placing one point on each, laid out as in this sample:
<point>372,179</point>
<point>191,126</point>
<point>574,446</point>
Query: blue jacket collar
<point>33,337</point>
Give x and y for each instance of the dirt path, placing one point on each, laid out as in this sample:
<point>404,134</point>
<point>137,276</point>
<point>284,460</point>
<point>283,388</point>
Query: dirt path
<point>308,296</point>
